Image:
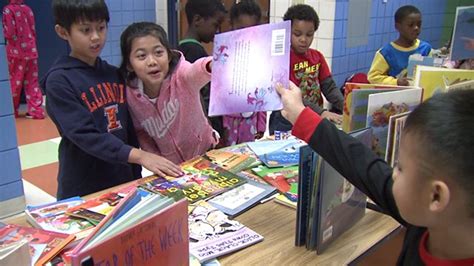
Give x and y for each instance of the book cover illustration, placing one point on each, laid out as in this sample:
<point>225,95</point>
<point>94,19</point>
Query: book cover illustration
<point>241,198</point>
<point>284,179</point>
<point>243,148</point>
<point>277,153</point>
<point>230,161</point>
<point>95,209</point>
<point>436,80</point>
<point>391,135</point>
<point>43,245</point>
<point>360,103</point>
<point>213,234</point>
<point>383,105</point>
<point>341,204</point>
<point>247,63</point>
<point>162,186</point>
<point>462,43</point>
<point>253,177</point>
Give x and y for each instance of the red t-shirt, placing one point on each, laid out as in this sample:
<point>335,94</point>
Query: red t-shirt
<point>428,259</point>
<point>308,71</point>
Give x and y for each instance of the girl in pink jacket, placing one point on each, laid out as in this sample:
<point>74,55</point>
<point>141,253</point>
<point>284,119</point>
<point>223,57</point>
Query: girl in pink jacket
<point>22,56</point>
<point>163,94</point>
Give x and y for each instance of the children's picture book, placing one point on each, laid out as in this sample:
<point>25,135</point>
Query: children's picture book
<point>242,198</point>
<point>277,153</point>
<point>53,217</point>
<point>284,179</point>
<point>397,134</point>
<point>43,245</point>
<point>201,180</point>
<point>247,64</point>
<point>243,148</point>
<point>230,161</point>
<point>355,107</point>
<point>391,136</point>
<point>213,234</point>
<point>462,43</point>
<point>382,106</point>
<point>415,60</point>
<point>436,80</point>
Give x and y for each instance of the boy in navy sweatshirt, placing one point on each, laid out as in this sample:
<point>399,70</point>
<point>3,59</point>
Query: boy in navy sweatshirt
<point>430,192</point>
<point>87,102</point>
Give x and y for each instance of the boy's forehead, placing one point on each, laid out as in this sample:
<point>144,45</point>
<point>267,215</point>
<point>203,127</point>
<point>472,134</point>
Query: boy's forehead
<point>86,21</point>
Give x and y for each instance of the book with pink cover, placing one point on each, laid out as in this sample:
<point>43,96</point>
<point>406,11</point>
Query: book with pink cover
<point>247,63</point>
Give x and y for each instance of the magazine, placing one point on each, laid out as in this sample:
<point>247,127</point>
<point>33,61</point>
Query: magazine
<point>247,63</point>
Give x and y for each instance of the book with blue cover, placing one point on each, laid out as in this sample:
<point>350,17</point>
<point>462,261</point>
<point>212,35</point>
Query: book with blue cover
<point>247,63</point>
<point>277,153</point>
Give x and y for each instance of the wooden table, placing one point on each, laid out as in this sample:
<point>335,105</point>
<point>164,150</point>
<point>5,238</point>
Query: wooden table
<point>276,223</point>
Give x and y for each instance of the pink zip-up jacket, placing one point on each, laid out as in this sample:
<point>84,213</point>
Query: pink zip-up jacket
<point>175,127</point>
<point>19,30</point>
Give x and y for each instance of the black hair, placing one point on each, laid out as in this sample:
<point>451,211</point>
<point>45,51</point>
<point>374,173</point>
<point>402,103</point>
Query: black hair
<point>142,29</point>
<point>404,12</point>
<point>203,8</point>
<point>68,12</point>
<point>443,127</point>
<point>245,7</point>
<point>302,12</point>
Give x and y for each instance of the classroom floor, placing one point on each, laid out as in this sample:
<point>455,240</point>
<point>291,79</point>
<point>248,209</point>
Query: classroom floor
<point>38,142</point>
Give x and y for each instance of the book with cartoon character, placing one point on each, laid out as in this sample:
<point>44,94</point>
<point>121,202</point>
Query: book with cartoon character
<point>247,63</point>
<point>278,153</point>
<point>213,234</point>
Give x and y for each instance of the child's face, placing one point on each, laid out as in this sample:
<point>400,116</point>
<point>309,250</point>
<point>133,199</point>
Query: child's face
<point>410,27</point>
<point>208,27</point>
<point>410,189</point>
<point>150,62</point>
<point>86,39</point>
<point>244,21</point>
<point>302,34</point>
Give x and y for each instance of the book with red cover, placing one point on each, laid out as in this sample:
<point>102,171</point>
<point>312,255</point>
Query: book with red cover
<point>161,239</point>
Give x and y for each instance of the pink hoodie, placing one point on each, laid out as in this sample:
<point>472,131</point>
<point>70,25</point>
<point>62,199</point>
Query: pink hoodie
<point>175,127</point>
<point>19,30</point>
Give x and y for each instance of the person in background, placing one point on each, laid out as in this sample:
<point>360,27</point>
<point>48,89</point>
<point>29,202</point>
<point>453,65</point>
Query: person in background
<point>22,56</point>
<point>163,94</point>
<point>390,61</point>
<point>244,127</point>
<point>308,69</point>
<point>87,103</point>
<point>430,191</point>
<point>204,20</point>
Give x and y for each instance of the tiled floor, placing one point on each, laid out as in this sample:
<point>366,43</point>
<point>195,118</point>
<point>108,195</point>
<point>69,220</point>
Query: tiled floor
<point>38,142</point>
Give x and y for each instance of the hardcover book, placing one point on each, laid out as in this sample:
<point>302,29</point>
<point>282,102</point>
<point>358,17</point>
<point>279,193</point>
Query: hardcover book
<point>213,234</point>
<point>391,142</point>
<point>284,179</point>
<point>247,63</point>
<point>462,42</point>
<point>277,153</point>
<point>243,148</point>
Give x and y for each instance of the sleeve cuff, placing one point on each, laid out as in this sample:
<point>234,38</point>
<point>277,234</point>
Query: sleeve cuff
<point>305,124</point>
<point>124,153</point>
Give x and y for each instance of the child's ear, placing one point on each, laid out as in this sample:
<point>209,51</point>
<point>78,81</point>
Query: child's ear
<point>440,196</point>
<point>62,32</point>
<point>397,26</point>
<point>197,20</point>
<point>129,68</point>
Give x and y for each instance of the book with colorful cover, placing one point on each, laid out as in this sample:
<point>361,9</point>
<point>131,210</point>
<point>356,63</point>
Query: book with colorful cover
<point>391,135</point>
<point>284,179</point>
<point>230,161</point>
<point>16,253</point>
<point>242,198</point>
<point>277,153</point>
<point>382,106</point>
<point>213,234</point>
<point>399,125</point>
<point>44,245</point>
<point>243,148</point>
<point>53,217</point>
<point>436,80</point>
<point>462,42</point>
<point>247,63</point>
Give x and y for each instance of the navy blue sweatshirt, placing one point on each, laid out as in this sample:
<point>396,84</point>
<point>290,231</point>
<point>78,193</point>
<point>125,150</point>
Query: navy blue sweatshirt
<point>88,105</point>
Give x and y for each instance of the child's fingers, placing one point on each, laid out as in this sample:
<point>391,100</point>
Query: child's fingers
<point>279,88</point>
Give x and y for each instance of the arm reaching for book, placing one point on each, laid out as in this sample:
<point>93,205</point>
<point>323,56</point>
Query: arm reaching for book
<point>155,163</point>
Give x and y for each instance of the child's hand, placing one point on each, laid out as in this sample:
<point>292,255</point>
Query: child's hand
<point>155,163</point>
<point>403,81</point>
<point>333,117</point>
<point>259,135</point>
<point>292,101</point>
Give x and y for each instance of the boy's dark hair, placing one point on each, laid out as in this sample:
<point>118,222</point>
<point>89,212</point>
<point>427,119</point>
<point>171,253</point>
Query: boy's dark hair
<point>245,7</point>
<point>68,12</point>
<point>405,11</point>
<point>203,8</point>
<point>302,12</point>
<point>443,126</point>
<point>142,29</point>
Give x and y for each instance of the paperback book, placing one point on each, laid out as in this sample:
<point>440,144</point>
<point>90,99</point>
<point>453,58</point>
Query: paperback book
<point>284,179</point>
<point>247,64</point>
<point>212,234</point>
<point>230,161</point>
<point>277,153</point>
